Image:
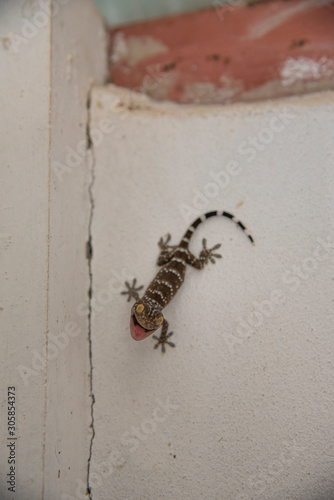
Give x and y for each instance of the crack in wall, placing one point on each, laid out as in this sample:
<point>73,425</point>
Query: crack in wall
<point>89,255</point>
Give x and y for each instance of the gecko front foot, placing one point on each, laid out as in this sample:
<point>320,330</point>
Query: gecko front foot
<point>207,254</point>
<point>132,290</point>
<point>162,340</point>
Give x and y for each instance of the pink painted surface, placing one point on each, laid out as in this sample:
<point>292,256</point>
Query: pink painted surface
<point>227,54</point>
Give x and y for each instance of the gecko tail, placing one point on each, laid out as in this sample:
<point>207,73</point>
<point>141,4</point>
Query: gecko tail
<point>215,213</point>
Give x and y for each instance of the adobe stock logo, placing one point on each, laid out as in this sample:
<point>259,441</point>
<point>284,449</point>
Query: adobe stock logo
<point>32,23</point>
<point>219,181</point>
<point>251,147</point>
<point>256,143</point>
<point>269,306</point>
<point>120,454</point>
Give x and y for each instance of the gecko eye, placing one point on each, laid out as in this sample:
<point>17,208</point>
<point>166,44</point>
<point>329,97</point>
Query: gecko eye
<point>160,319</point>
<point>140,308</point>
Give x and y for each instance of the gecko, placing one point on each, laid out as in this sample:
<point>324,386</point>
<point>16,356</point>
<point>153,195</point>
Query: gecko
<point>146,313</point>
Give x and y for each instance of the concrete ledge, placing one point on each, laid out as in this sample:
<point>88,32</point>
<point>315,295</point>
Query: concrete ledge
<point>232,52</point>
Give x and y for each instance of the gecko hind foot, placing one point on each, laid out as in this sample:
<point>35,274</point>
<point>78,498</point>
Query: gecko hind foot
<point>132,290</point>
<point>163,242</point>
<point>207,254</point>
<point>162,340</point>
<point>166,250</point>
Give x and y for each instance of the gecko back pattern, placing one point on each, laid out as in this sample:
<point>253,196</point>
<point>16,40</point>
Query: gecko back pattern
<point>146,313</point>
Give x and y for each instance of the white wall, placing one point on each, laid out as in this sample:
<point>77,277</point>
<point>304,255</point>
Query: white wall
<point>24,251</point>
<point>48,65</point>
<point>242,407</point>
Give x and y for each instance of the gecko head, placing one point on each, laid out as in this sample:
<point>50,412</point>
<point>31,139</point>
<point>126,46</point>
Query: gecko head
<point>146,317</point>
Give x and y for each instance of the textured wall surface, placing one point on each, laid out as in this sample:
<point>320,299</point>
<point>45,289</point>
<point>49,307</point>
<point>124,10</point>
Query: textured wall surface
<point>48,64</point>
<point>24,252</point>
<point>230,53</point>
<point>243,406</point>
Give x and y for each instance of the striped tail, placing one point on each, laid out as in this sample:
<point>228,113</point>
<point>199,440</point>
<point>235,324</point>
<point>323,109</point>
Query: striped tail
<point>216,213</point>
